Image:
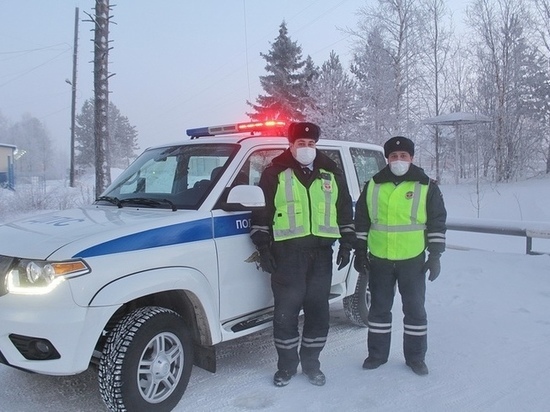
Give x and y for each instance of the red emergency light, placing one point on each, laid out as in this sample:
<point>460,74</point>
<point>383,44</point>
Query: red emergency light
<point>276,127</point>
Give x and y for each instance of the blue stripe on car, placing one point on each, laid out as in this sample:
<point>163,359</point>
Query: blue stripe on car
<point>172,235</point>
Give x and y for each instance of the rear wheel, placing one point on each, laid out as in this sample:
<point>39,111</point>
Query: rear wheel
<point>146,362</point>
<point>356,306</point>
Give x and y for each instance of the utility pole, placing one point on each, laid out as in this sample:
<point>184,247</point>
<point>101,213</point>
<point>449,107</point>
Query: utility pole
<point>101,93</point>
<point>73,99</point>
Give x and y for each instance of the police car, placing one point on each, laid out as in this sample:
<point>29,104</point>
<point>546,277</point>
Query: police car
<point>147,280</point>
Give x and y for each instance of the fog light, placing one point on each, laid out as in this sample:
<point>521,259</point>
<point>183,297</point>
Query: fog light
<point>33,348</point>
<point>42,347</point>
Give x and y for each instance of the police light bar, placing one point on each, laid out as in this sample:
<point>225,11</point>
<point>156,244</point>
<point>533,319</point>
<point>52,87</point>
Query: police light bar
<point>249,127</point>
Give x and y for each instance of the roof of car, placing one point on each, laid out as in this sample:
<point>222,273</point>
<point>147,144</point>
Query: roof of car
<point>255,139</point>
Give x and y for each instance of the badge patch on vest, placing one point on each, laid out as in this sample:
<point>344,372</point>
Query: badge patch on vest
<point>409,195</point>
<point>327,185</point>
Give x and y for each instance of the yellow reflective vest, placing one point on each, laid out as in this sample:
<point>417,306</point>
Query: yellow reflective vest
<point>398,219</point>
<point>300,211</point>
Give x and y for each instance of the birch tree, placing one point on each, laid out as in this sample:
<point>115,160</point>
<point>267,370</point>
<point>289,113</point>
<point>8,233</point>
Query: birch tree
<point>31,138</point>
<point>434,62</point>
<point>396,23</point>
<point>542,19</point>
<point>506,61</point>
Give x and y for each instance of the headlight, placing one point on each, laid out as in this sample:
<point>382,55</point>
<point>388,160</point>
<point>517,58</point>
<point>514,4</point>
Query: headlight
<point>39,276</point>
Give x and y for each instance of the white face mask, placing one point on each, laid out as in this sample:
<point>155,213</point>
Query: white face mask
<point>399,167</point>
<point>305,155</point>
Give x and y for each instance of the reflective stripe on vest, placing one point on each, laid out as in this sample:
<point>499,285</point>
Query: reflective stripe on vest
<point>398,219</point>
<point>300,212</point>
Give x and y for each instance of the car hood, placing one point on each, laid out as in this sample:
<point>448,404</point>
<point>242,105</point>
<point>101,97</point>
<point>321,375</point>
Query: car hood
<point>97,230</point>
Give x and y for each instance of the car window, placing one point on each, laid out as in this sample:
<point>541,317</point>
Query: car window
<point>335,156</point>
<point>367,163</point>
<point>251,171</point>
<point>177,175</point>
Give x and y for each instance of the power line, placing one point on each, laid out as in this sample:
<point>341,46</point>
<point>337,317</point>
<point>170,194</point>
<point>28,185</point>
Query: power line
<point>33,68</point>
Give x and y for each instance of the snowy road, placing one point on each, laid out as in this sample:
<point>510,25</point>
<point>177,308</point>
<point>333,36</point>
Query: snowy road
<point>489,350</point>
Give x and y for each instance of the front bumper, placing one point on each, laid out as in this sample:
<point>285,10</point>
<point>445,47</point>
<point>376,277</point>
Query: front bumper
<point>28,322</point>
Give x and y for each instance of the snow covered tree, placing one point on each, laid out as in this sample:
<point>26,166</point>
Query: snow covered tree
<point>374,71</point>
<point>3,129</point>
<point>285,85</point>
<point>509,68</point>
<point>84,136</point>
<point>434,61</point>
<point>32,139</point>
<point>311,73</point>
<point>542,21</point>
<point>389,34</point>
<point>123,139</point>
<point>122,146</point>
<point>333,101</point>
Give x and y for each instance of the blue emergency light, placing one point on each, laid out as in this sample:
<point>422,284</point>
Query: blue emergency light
<point>274,126</point>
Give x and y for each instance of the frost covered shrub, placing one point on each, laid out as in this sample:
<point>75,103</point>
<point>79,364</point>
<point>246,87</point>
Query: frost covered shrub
<point>32,197</point>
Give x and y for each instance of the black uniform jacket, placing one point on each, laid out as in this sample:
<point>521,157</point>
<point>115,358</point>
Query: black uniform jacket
<point>436,212</point>
<point>262,221</point>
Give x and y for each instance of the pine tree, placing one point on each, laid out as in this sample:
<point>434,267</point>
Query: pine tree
<point>123,139</point>
<point>375,73</point>
<point>311,74</point>
<point>285,86</point>
<point>122,143</point>
<point>84,136</point>
<point>333,102</point>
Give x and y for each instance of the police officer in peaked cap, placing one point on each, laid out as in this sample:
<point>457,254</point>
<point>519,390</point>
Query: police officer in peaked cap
<point>308,208</point>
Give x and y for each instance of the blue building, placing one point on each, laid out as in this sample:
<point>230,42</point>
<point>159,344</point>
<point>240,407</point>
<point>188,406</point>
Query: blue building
<point>7,177</point>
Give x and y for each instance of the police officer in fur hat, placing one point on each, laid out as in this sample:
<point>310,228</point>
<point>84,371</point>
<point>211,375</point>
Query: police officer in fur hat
<point>399,215</point>
<point>308,208</point>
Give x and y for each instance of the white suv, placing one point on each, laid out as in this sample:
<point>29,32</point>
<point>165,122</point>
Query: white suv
<point>147,280</point>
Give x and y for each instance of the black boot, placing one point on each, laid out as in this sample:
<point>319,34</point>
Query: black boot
<point>282,377</point>
<point>419,367</point>
<point>373,363</point>
<point>316,378</point>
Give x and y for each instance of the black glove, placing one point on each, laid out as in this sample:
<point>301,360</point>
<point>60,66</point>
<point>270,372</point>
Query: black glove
<point>361,262</point>
<point>433,265</point>
<point>343,257</point>
<point>267,260</point>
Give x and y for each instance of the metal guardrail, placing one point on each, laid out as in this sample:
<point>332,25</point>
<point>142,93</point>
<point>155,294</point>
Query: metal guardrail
<point>526,229</point>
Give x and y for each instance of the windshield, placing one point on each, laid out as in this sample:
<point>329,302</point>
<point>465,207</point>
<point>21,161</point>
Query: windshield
<point>175,177</point>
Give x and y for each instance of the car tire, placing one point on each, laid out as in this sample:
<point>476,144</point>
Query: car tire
<point>146,362</point>
<point>356,306</point>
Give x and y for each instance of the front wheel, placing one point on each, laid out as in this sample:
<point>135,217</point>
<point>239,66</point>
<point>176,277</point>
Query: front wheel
<point>146,362</point>
<point>356,306</point>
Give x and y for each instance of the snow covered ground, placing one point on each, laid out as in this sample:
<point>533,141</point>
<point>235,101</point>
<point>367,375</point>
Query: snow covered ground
<point>489,338</point>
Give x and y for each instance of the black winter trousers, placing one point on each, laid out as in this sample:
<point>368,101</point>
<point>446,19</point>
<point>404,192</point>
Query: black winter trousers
<point>302,281</point>
<point>411,282</point>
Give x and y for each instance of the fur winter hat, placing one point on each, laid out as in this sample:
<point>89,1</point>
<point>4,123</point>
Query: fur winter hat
<point>398,144</point>
<point>303,130</point>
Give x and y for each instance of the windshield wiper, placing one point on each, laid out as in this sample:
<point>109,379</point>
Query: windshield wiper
<point>113,200</point>
<point>150,202</point>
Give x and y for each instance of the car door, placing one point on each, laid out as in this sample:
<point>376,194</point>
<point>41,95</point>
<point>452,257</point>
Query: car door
<point>244,287</point>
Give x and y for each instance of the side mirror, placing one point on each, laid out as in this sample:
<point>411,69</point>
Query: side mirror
<point>244,197</point>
